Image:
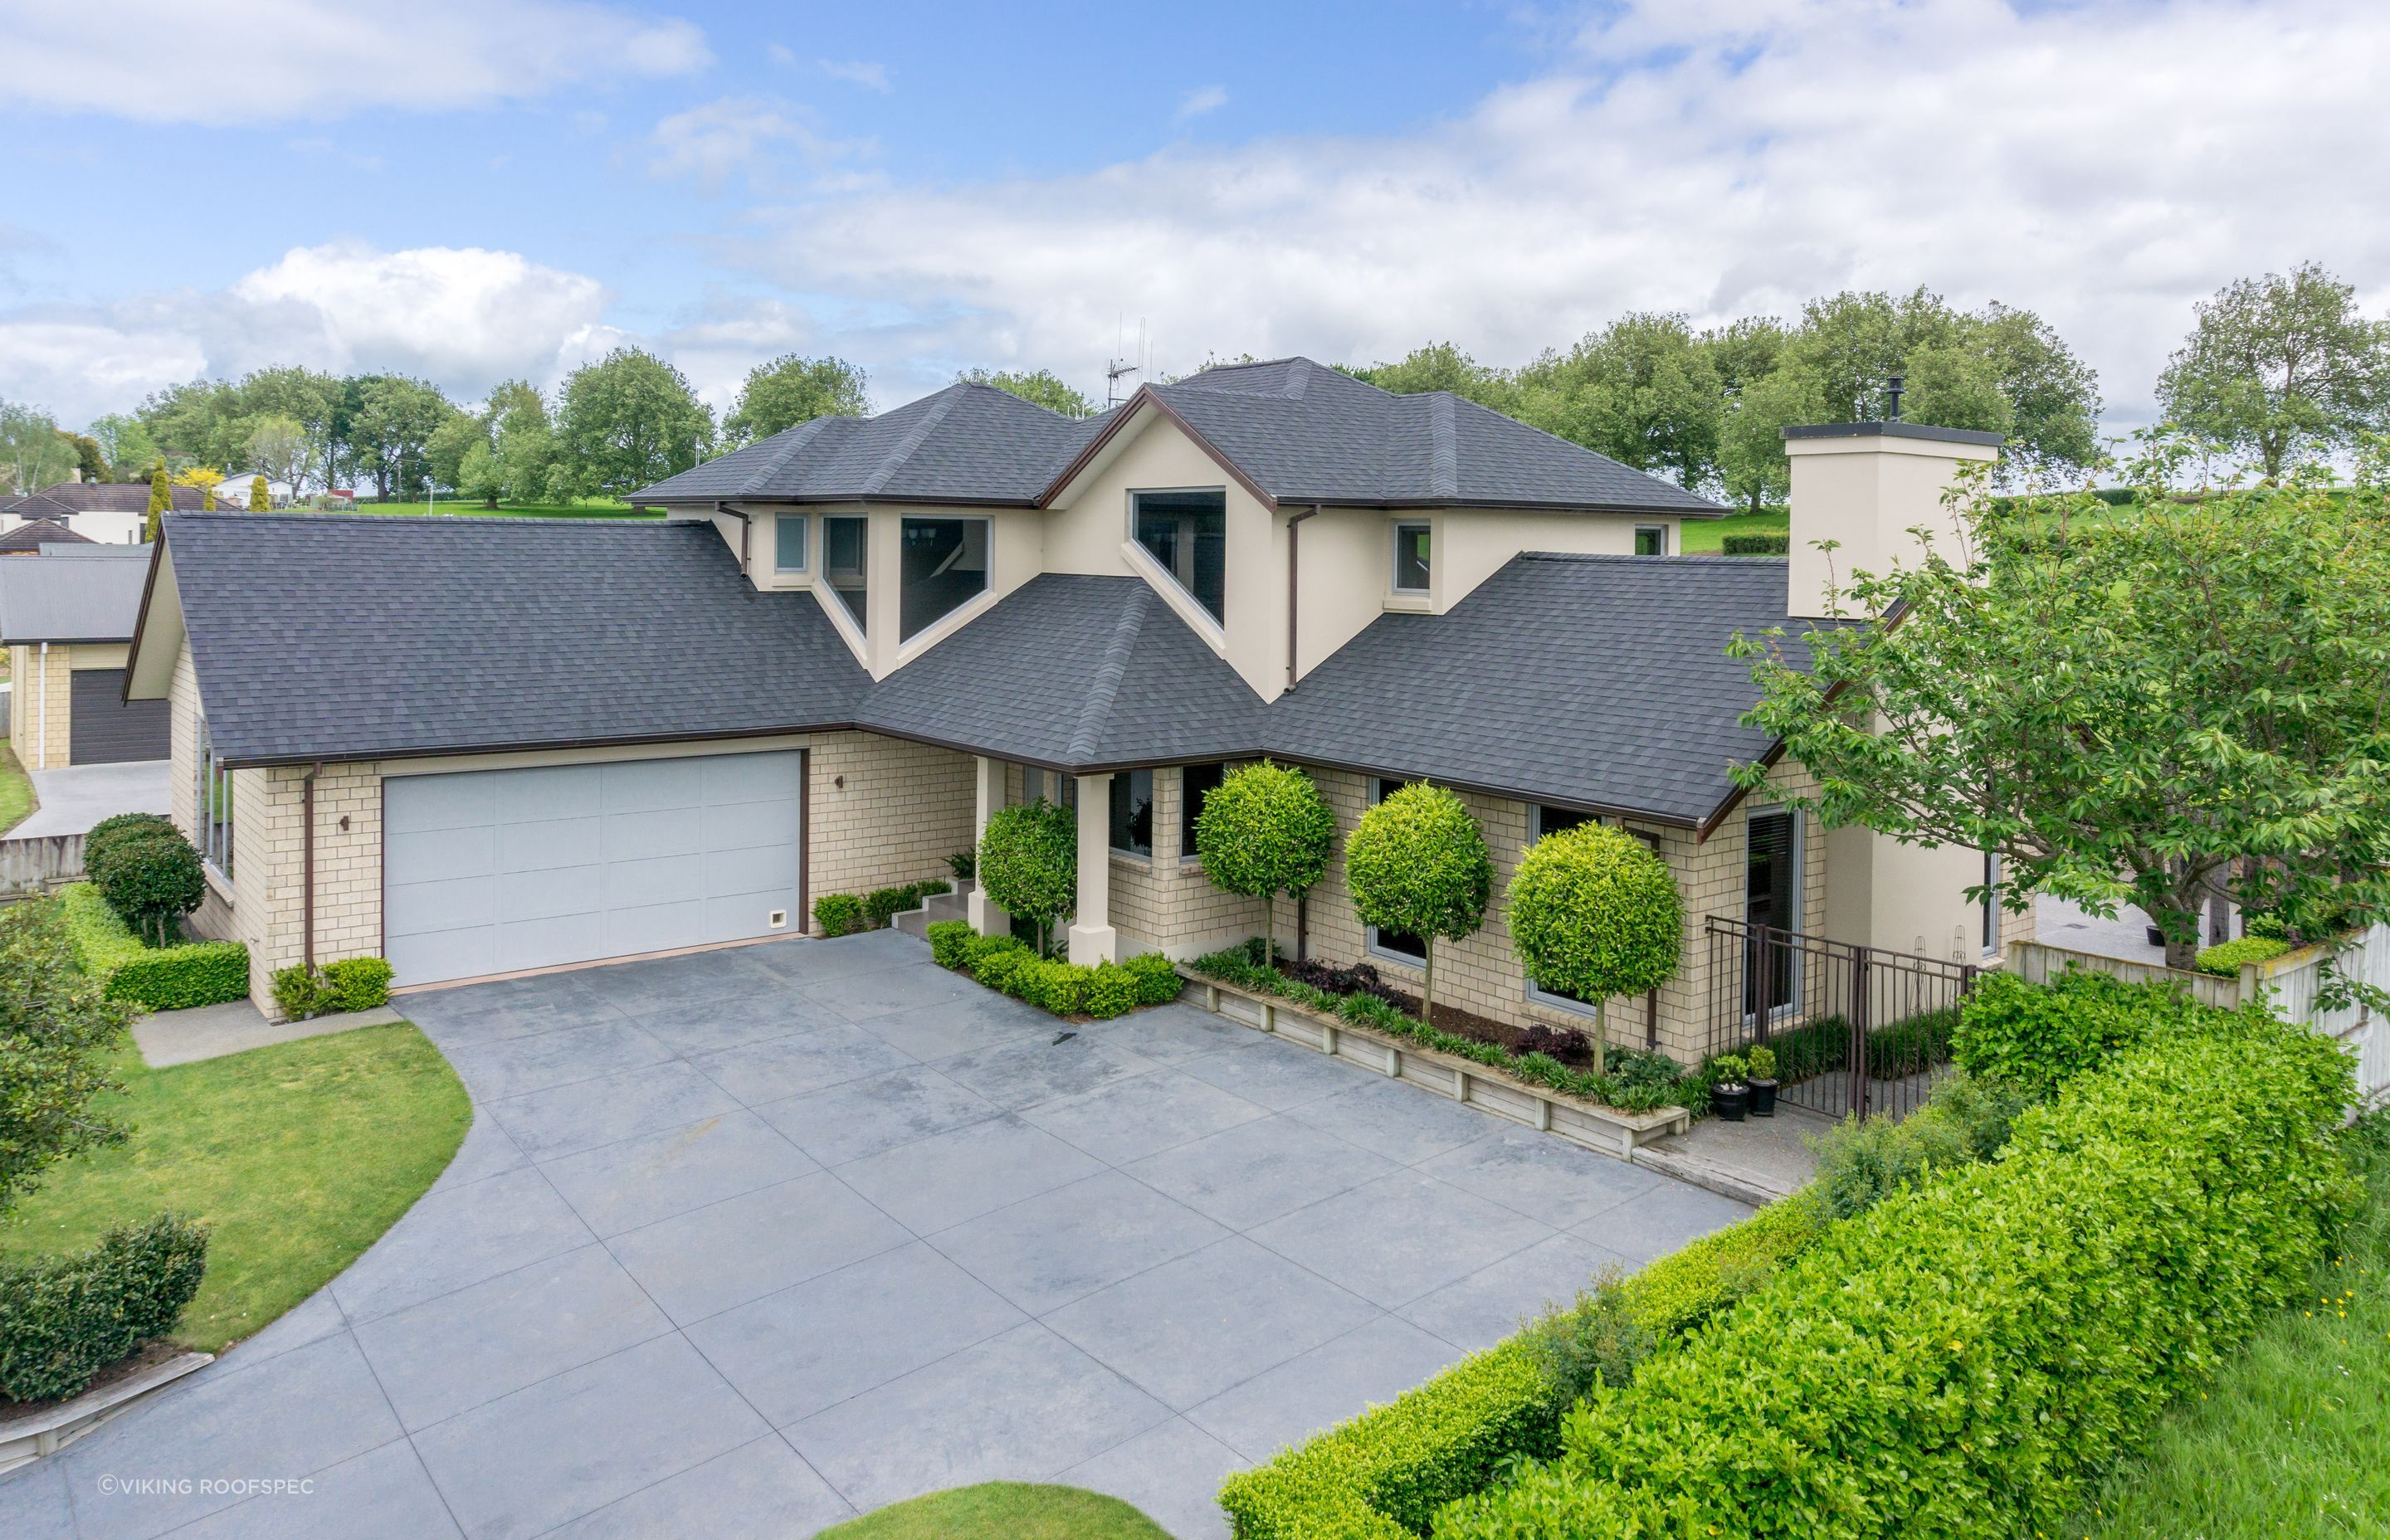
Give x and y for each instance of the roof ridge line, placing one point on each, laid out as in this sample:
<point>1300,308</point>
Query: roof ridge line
<point>800,437</point>
<point>904,447</point>
<point>1443,454</point>
<point>1105,686</point>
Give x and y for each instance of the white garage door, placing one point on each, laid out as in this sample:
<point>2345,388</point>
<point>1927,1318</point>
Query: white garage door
<point>493,870</point>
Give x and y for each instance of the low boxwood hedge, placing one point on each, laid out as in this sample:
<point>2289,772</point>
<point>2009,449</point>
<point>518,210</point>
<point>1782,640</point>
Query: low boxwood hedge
<point>2225,958</point>
<point>63,1319</point>
<point>1965,1356</point>
<point>844,914</point>
<point>1066,989</point>
<point>155,977</point>
<point>1762,544</point>
<point>350,985</point>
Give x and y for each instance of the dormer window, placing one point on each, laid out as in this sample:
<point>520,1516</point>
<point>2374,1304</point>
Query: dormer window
<point>1412,567</point>
<point>846,566</point>
<point>1650,540</point>
<point>1187,532</point>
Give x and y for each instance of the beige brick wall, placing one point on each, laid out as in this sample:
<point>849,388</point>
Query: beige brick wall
<point>905,807</point>
<point>41,691</point>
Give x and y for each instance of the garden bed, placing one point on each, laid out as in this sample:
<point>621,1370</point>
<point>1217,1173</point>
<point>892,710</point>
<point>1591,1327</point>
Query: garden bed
<point>1613,1131</point>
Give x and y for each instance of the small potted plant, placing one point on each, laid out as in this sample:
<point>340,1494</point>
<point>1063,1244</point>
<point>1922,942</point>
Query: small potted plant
<point>1729,1086</point>
<point>1762,1062</point>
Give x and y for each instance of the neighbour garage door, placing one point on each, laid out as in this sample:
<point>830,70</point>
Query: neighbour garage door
<point>493,870</point>
<point>107,730</point>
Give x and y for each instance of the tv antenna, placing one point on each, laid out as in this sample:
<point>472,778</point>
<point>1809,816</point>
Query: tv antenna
<point>1118,369</point>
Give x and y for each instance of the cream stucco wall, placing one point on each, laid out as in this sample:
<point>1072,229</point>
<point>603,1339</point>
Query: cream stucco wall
<point>1867,493</point>
<point>1474,543</point>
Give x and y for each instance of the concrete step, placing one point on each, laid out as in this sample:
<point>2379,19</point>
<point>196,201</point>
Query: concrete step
<point>938,906</point>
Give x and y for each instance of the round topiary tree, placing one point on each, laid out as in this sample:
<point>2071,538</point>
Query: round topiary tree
<point>1029,864</point>
<point>1594,913</point>
<point>1266,830</point>
<point>152,879</point>
<point>1417,865</point>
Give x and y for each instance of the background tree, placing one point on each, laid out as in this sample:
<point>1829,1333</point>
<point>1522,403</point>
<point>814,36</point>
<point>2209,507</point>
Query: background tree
<point>160,499</point>
<point>791,389</point>
<point>261,494</point>
<point>55,1037</point>
<point>304,396</point>
<point>1417,865</point>
<point>630,419</point>
<point>1041,386</point>
<point>1642,391</point>
<point>2278,368</point>
<point>125,444</point>
<point>1752,464</point>
<point>444,453</point>
<point>477,474</point>
<point>1263,831</point>
<point>89,458</point>
<point>2127,716</point>
<point>1029,864</point>
<point>1442,367</point>
<point>280,449</point>
<point>389,433</point>
<point>1594,913</point>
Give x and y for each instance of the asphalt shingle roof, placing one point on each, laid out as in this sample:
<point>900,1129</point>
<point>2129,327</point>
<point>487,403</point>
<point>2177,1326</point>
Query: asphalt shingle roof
<point>1299,431</point>
<point>361,637</point>
<point>53,600</point>
<point>118,496</point>
<point>1070,670</point>
<point>34,534</point>
<point>1591,680</point>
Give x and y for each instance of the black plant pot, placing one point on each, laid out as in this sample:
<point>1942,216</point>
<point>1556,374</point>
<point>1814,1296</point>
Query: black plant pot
<point>1762,1098</point>
<point>1730,1102</point>
<point>2157,937</point>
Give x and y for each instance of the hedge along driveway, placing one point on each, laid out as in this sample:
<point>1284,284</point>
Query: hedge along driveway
<point>298,1157</point>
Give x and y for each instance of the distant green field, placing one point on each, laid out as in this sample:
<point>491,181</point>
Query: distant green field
<point>458,507</point>
<point>1701,535</point>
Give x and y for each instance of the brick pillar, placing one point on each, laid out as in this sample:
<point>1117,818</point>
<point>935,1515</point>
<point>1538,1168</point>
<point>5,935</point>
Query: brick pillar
<point>987,778</point>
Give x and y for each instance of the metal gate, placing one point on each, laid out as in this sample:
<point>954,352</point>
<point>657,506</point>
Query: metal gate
<point>1855,1030</point>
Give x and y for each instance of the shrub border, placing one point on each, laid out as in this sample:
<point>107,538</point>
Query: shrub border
<point>155,977</point>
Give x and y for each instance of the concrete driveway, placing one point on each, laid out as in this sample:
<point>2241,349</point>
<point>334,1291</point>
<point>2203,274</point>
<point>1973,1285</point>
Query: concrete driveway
<point>74,797</point>
<point>745,1241</point>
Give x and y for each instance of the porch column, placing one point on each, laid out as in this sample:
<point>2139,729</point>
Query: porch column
<point>1093,940</point>
<point>987,777</point>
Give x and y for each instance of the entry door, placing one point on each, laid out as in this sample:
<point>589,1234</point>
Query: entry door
<point>1771,900</point>
<point>491,872</point>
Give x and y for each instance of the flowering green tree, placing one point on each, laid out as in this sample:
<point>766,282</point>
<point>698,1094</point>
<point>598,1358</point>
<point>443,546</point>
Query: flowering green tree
<point>55,1035</point>
<point>1263,831</point>
<point>1594,913</point>
<point>1029,864</point>
<point>1417,865</point>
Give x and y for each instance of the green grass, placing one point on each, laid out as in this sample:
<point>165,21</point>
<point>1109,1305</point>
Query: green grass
<point>15,789</point>
<point>601,507</point>
<point>2291,1441</point>
<point>1003,1511</point>
<point>1703,536</point>
<point>298,1156</point>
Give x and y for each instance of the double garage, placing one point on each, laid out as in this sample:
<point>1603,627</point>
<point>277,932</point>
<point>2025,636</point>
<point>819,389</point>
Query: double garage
<point>492,871</point>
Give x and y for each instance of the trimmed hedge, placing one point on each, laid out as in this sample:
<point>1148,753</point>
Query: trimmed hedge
<point>1964,1358</point>
<point>845,914</point>
<point>1757,544</point>
<point>1067,989</point>
<point>2225,958</point>
<point>63,1319</point>
<point>2037,1037</point>
<point>155,977</point>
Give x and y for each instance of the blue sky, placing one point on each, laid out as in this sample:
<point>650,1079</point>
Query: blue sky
<point>471,190</point>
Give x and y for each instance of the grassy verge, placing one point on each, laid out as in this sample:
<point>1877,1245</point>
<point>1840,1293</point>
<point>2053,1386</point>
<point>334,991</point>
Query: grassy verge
<point>15,789</point>
<point>1703,536</point>
<point>594,508</point>
<point>298,1156</point>
<point>2288,1442</point>
<point>1003,1511</point>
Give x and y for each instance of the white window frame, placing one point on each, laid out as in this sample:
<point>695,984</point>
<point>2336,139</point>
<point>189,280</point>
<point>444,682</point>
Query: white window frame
<point>1395,557</point>
<point>1659,530</point>
<point>804,544</point>
<point>215,840</point>
<point>1535,992</point>
<point>932,634</point>
<point>1378,787</point>
<point>1218,622</point>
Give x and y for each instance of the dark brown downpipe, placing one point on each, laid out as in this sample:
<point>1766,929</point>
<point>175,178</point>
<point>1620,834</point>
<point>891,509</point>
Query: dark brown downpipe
<point>1294,573</point>
<point>307,863</point>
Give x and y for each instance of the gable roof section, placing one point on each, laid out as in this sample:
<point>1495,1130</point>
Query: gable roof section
<point>53,600</point>
<point>318,636</point>
<point>965,443</point>
<point>1587,681</point>
<point>118,496</point>
<point>1073,671</point>
<point>34,534</point>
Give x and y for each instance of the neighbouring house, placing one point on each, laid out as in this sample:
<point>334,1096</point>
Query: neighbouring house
<point>113,513</point>
<point>66,620</point>
<point>34,535</point>
<point>482,746</point>
<point>232,490</point>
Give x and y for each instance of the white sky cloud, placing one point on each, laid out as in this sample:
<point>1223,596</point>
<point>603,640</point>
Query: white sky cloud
<point>739,135</point>
<point>863,72</point>
<point>1202,99</point>
<point>232,61</point>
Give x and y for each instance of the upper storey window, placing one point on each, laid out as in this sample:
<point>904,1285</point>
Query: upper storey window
<point>1411,564</point>
<point>1187,532</point>
<point>789,543</point>
<point>846,565</point>
<point>944,567</point>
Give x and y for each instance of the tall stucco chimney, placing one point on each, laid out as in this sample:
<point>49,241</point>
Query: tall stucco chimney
<point>1866,486</point>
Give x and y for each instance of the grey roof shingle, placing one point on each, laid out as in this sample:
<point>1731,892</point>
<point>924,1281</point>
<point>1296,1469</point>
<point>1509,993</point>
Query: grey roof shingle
<point>55,600</point>
<point>1299,431</point>
<point>968,442</point>
<point>1074,671</point>
<point>1596,681</point>
<point>317,636</point>
<point>118,496</point>
<point>33,534</point>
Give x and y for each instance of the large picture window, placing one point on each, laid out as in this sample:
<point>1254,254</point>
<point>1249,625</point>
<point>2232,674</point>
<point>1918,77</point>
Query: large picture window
<point>944,567</point>
<point>846,566</point>
<point>1187,532</point>
<point>214,805</point>
<point>1131,812</point>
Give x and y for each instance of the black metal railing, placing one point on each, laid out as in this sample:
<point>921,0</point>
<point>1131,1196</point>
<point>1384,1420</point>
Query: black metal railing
<point>1854,1029</point>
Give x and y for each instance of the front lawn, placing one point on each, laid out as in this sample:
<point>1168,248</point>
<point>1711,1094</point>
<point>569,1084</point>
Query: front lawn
<point>1003,1511</point>
<point>297,1156</point>
<point>15,789</point>
<point>1705,536</point>
<point>2290,1441</point>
